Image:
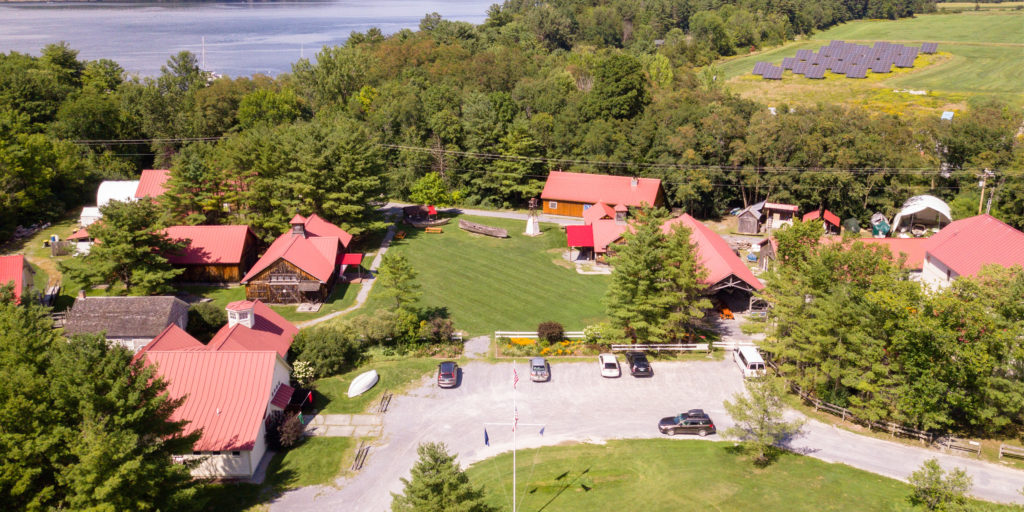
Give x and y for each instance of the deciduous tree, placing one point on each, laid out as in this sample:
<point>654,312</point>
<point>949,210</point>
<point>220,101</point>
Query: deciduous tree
<point>758,414</point>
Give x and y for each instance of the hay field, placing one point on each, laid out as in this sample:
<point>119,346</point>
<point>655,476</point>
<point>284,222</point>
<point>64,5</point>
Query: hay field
<point>980,55</point>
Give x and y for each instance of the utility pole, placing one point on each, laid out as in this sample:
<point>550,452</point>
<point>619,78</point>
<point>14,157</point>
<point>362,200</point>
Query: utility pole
<point>984,179</point>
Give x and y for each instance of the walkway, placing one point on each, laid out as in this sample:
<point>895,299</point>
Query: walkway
<point>364,292</point>
<point>345,425</point>
<point>395,209</point>
<point>477,348</point>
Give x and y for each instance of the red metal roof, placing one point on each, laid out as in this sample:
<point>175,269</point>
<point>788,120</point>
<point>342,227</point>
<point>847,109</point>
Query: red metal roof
<point>595,188</point>
<point>209,244</point>
<point>172,338</point>
<point>301,252</point>
<point>967,244</point>
<point>297,219</point>
<point>781,206</point>
<point>12,268</point>
<point>830,217</point>
<point>81,234</point>
<point>714,253</point>
<point>283,396</point>
<point>226,393</point>
<point>316,226</point>
<point>607,232</point>
<point>597,212</point>
<point>240,305</point>
<point>580,236</point>
<point>352,258</point>
<point>914,248</point>
<point>270,331</point>
<point>152,183</point>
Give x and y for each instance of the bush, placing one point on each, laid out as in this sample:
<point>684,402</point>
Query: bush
<point>550,331</point>
<point>303,373</point>
<point>437,329</point>
<point>273,430</point>
<point>601,334</point>
<point>331,350</point>
<point>934,490</point>
<point>290,432</point>
<point>204,320</point>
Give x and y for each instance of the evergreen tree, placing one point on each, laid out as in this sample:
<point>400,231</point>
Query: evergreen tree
<point>639,297</point>
<point>397,280</point>
<point>438,484</point>
<point>759,416</point>
<point>684,275</point>
<point>82,426</point>
<point>131,250</point>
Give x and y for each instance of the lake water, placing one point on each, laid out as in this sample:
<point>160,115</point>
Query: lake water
<point>241,38</point>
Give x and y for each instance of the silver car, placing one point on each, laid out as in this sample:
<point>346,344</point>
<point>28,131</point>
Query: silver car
<point>539,369</point>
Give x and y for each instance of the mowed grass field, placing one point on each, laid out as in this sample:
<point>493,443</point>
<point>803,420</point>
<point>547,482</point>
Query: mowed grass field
<point>970,6</point>
<point>490,284</point>
<point>665,474</point>
<point>980,55</point>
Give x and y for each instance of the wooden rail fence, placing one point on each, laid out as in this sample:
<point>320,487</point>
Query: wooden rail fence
<point>361,453</point>
<point>1006,450</point>
<point>953,444</point>
<point>385,402</point>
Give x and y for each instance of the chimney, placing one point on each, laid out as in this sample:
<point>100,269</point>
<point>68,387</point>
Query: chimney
<point>81,294</point>
<point>633,182</point>
<point>241,312</point>
<point>298,223</point>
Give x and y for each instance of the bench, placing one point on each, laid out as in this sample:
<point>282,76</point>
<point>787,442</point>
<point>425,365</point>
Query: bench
<point>432,230</point>
<point>400,235</point>
<point>1011,451</point>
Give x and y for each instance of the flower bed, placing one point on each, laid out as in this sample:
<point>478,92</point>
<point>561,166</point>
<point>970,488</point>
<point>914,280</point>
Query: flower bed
<point>529,347</point>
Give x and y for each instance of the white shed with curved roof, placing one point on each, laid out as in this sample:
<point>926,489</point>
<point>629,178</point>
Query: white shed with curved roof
<point>116,191</point>
<point>927,211</point>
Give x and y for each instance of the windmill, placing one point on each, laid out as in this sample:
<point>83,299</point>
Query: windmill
<point>532,224</point>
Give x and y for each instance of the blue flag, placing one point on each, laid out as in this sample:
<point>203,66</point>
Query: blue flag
<point>487,440</point>
<point>542,430</point>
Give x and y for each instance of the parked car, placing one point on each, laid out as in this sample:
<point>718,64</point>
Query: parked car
<point>694,421</point>
<point>609,365</point>
<point>638,365</point>
<point>749,360</point>
<point>539,369</point>
<point>447,374</point>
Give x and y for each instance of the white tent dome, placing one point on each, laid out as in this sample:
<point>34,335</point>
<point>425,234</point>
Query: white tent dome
<point>928,211</point>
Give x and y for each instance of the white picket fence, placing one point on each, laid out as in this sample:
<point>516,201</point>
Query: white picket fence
<point>571,335</point>
<point>659,347</point>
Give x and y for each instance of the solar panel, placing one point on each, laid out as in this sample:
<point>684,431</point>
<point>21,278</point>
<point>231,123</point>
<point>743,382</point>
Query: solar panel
<point>801,67</point>
<point>856,72</point>
<point>816,73</point>
<point>929,47</point>
<point>759,68</point>
<point>840,68</point>
<point>904,61</point>
<point>773,73</point>
<point>789,62</point>
<point>879,67</point>
<point>804,54</point>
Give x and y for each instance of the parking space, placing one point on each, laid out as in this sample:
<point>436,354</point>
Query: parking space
<point>576,405</point>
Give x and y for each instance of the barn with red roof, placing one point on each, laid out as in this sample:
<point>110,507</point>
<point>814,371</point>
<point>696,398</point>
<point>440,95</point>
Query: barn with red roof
<point>152,183</point>
<point>214,253</point>
<point>301,265</point>
<point>964,246</point>
<point>15,271</point>
<point>573,194</point>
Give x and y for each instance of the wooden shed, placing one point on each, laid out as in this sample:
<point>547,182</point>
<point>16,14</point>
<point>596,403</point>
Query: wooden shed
<point>749,219</point>
<point>216,254</point>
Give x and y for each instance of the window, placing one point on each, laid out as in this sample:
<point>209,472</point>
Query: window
<point>214,453</point>
<point>197,453</point>
<point>553,205</point>
<point>236,454</point>
<point>587,207</point>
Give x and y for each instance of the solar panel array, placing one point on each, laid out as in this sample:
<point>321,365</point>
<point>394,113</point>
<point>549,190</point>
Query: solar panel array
<point>842,58</point>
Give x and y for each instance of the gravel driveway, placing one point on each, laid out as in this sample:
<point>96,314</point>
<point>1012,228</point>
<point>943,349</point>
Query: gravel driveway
<point>579,405</point>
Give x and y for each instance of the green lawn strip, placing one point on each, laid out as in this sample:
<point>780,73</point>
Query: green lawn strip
<point>490,284</point>
<point>999,27</point>
<point>331,396</point>
<point>667,474</point>
<point>317,461</point>
<point>343,296</point>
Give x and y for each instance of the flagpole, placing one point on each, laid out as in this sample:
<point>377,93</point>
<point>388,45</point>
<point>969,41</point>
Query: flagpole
<point>515,419</point>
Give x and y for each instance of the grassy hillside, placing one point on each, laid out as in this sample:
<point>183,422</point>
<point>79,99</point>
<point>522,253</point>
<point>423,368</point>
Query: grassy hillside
<point>979,56</point>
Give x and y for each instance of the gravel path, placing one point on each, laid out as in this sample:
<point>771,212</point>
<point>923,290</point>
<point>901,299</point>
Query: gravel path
<point>579,405</point>
<point>477,348</point>
<point>396,209</point>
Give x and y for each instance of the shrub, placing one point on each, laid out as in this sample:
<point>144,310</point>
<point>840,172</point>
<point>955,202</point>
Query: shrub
<point>437,329</point>
<point>273,430</point>
<point>330,350</point>
<point>290,432</point>
<point>550,331</point>
<point>204,319</point>
<point>601,334</point>
<point>303,373</point>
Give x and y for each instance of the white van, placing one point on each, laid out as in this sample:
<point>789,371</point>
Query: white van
<point>749,360</point>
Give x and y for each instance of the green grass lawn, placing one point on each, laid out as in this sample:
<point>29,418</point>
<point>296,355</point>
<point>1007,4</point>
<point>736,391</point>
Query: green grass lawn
<point>317,461</point>
<point>490,284</point>
<point>667,474</point>
<point>980,56</point>
<point>342,296</point>
<point>970,6</point>
<point>331,396</point>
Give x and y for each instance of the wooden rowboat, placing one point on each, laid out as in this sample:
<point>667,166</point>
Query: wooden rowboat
<point>363,383</point>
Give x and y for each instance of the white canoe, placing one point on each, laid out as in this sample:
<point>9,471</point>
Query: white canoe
<point>363,383</point>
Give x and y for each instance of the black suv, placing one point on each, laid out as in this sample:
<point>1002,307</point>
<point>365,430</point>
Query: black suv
<point>694,421</point>
<point>447,374</point>
<point>638,365</point>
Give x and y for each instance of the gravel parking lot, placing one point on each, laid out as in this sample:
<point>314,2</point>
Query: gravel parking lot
<point>576,405</point>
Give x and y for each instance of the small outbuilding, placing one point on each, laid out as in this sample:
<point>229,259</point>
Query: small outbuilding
<point>777,215</point>
<point>214,254</point>
<point>749,219</point>
<point>16,272</point>
<point>131,322</point>
<point>829,219</point>
<point>921,214</point>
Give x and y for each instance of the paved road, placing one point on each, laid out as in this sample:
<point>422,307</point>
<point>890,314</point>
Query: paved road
<point>395,209</point>
<point>578,405</point>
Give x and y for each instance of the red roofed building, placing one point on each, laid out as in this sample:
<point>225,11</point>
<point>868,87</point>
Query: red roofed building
<point>964,246</point>
<point>725,270</point>
<point>228,395</point>
<point>777,215</point>
<point>252,326</point>
<point>912,249</point>
<point>214,253</point>
<point>152,183</point>
<point>301,265</point>
<point>572,194</point>
<point>15,271</point>
<point>830,220</point>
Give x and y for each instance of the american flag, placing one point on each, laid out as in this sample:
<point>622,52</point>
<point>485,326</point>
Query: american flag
<point>515,378</point>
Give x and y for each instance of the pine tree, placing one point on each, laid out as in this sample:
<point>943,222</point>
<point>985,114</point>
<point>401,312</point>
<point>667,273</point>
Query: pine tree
<point>638,298</point>
<point>684,284</point>
<point>131,250</point>
<point>758,416</point>
<point>438,484</point>
<point>397,280</point>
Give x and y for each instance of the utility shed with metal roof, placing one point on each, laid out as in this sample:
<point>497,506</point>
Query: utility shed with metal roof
<point>131,322</point>
<point>572,193</point>
<point>214,253</point>
<point>16,272</point>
